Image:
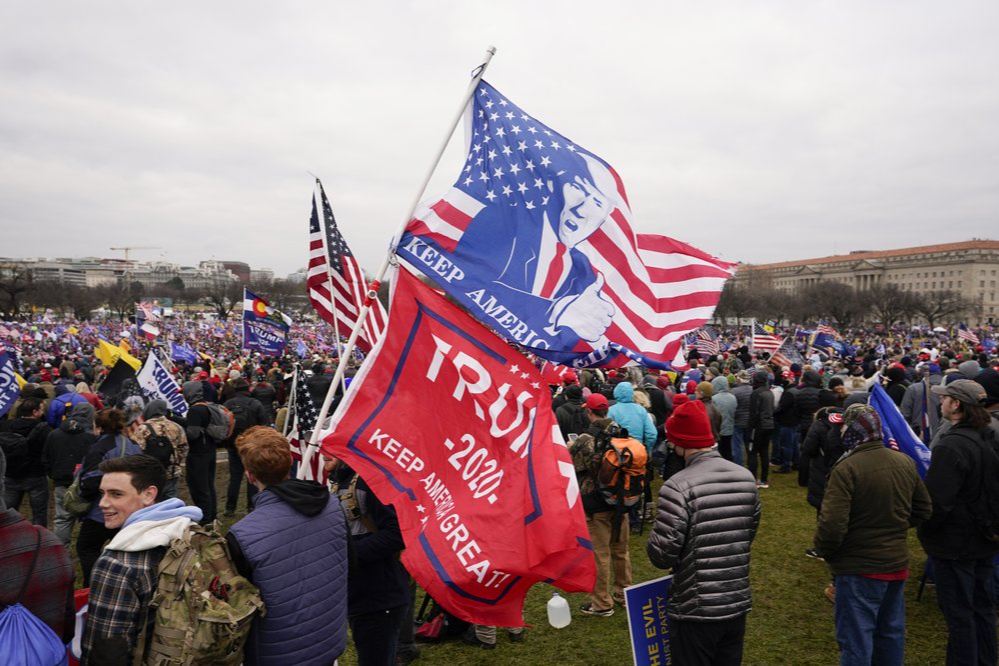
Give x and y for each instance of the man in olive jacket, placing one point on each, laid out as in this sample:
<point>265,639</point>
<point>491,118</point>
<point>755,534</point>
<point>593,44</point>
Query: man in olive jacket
<point>874,495</point>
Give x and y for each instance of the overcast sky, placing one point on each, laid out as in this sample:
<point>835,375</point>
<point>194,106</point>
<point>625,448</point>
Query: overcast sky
<point>756,131</point>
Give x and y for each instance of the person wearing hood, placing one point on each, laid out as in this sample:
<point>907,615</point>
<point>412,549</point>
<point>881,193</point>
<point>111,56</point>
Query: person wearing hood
<point>570,415</point>
<point>918,393</point>
<point>726,404</point>
<point>631,416</point>
<point>157,424</point>
<point>761,427</point>
<point>64,449</point>
<point>201,451</point>
<point>297,532</point>
<point>60,407</point>
<point>125,576</point>
<point>873,497</point>
<point>247,412</point>
<point>25,473</point>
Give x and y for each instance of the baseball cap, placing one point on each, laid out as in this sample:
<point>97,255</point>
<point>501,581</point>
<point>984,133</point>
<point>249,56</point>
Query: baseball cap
<point>596,402</point>
<point>963,390</point>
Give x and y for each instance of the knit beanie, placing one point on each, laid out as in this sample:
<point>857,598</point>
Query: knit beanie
<point>861,424</point>
<point>706,389</point>
<point>688,426</point>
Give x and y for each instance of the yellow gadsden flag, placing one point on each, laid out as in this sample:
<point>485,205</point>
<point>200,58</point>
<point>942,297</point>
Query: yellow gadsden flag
<point>108,354</point>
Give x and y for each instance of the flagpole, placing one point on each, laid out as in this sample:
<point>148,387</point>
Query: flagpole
<point>373,287</point>
<point>329,285</point>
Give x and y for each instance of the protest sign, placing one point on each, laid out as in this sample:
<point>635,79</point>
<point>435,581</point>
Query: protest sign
<point>648,624</point>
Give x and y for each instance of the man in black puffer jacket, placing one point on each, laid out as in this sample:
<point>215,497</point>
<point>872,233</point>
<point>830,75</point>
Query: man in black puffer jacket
<point>707,518</point>
<point>25,472</point>
<point>820,450</point>
<point>64,450</point>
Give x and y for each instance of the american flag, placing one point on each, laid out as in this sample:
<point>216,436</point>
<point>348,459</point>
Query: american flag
<point>707,342</point>
<point>763,341</point>
<point>827,329</point>
<point>335,279</point>
<point>786,355</point>
<point>964,333</point>
<point>513,178</point>
<point>303,414</point>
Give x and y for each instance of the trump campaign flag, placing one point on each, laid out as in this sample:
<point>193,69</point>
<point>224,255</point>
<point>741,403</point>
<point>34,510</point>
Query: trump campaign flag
<point>180,352</point>
<point>264,329</point>
<point>9,386</point>
<point>157,383</point>
<point>535,240</point>
<point>455,429</point>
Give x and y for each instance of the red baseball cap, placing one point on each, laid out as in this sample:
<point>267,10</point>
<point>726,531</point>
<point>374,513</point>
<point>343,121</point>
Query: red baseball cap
<point>596,402</point>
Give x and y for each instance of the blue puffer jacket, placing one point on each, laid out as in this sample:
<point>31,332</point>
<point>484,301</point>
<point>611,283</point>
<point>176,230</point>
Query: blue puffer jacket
<point>627,414</point>
<point>294,548</point>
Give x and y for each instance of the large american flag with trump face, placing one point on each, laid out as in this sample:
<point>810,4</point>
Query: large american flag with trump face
<point>335,280</point>
<point>516,169</point>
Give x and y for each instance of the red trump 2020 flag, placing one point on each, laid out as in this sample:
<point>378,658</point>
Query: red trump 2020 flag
<point>455,429</point>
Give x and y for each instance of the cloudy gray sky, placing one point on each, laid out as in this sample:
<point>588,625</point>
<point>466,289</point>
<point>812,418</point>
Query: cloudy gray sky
<point>756,131</point>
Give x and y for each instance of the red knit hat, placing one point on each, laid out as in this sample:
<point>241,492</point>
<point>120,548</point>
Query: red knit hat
<point>680,399</point>
<point>688,426</point>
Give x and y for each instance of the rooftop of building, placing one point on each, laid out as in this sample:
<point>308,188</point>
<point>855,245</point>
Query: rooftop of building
<point>857,255</point>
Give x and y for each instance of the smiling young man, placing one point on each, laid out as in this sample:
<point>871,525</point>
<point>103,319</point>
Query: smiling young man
<point>124,579</point>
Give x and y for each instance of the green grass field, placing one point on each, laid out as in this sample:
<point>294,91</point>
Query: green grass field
<point>791,623</point>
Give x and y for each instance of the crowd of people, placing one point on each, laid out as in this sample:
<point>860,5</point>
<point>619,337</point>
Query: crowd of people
<point>714,430</point>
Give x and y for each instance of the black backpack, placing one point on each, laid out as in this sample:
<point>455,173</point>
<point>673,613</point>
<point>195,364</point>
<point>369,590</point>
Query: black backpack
<point>240,417</point>
<point>578,422</point>
<point>159,447</point>
<point>15,450</point>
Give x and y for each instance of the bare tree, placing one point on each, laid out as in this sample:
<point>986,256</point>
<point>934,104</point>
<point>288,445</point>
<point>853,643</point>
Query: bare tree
<point>222,296</point>
<point>938,306</point>
<point>118,298</point>
<point>834,300</point>
<point>15,282</point>
<point>889,303</point>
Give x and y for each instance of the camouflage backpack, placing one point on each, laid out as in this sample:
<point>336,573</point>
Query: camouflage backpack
<point>203,608</point>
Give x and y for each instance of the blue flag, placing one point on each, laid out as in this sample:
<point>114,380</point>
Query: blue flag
<point>183,353</point>
<point>264,329</point>
<point>9,390</point>
<point>535,239</point>
<point>896,431</point>
<point>301,349</point>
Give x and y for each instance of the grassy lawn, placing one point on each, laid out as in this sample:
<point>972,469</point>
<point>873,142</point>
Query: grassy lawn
<point>791,623</point>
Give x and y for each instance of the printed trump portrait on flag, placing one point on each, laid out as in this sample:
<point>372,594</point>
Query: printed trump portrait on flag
<point>535,239</point>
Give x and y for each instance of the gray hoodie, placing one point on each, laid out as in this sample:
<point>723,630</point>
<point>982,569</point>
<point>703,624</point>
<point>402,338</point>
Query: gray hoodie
<point>193,392</point>
<point>725,403</point>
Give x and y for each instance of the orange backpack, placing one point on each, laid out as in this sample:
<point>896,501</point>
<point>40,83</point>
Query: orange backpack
<point>621,477</point>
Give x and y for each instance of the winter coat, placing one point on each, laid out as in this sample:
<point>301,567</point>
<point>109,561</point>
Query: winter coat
<point>807,399</point>
<point>255,412</point>
<point>707,518</point>
<point>164,427</point>
<point>873,497</point>
<point>726,404</point>
<point>912,404</point>
<point>954,481</point>
<point>820,450</point>
<point>36,431</point>
<point>741,393</point>
<point>90,475</point>
<point>293,546</point>
<point>631,416</point>
<point>65,448</point>
<point>266,394</point>
<point>62,406</point>
<point>761,409</point>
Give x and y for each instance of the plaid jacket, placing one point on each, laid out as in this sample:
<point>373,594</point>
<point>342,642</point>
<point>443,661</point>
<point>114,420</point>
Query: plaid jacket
<point>121,587</point>
<point>50,593</point>
<point>164,427</point>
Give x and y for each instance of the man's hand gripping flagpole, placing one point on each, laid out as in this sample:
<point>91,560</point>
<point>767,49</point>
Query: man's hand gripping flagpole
<point>313,447</point>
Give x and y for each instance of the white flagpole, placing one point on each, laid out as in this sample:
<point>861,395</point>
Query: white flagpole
<point>373,287</point>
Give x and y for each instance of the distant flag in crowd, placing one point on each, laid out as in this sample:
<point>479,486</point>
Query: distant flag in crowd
<point>150,331</point>
<point>179,352</point>
<point>966,334</point>
<point>764,341</point>
<point>301,349</point>
<point>4,331</point>
<point>707,342</point>
<point>336,283</point>
<point>880,349</point>
<point>264,329</point>
<point>826,329</point>
<point>9,389</point>
<point>303,415</point>
<point>786,355</point>
<point>770,325</point>
<point>13,354</point>
<point>896,432</point>
<point>988,344</point>
<point>109,354</point>
<point>535,240</point>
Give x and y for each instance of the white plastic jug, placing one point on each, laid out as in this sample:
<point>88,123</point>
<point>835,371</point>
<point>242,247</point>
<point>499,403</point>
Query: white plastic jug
<point>558,612</point>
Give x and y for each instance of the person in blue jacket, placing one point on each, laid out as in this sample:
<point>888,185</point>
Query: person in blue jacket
<point>633,417</point>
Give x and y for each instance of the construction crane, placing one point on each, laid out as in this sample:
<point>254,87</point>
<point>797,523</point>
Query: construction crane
<point>128,264</point>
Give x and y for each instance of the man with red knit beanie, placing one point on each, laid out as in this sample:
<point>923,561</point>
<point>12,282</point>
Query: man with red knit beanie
<point>707,518</point>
